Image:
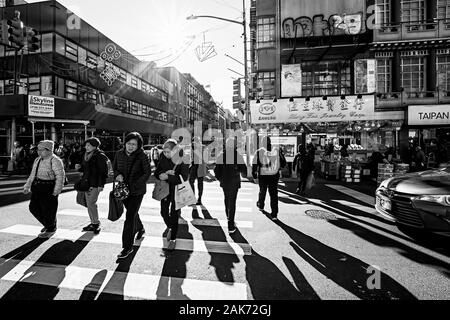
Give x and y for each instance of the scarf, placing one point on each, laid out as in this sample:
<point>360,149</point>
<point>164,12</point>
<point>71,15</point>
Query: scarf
<point>88,155</point>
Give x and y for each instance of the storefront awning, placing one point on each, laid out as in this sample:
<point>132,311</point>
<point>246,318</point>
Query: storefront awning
<point>83,122</point>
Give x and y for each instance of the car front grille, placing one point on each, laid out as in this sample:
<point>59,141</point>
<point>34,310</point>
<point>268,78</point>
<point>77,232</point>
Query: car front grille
<point>404,212</point>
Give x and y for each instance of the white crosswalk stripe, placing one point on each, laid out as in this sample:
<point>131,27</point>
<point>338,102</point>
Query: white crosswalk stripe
<point>159,219</point>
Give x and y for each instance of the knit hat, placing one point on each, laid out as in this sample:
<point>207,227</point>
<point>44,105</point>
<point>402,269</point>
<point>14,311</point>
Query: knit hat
<point>47,144</point>
<point>93,141</point>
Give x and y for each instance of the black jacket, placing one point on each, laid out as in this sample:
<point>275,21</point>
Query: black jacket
<point>164,165</point>
<point>304,163</point>
<point>96,169</point>
<point>137,176</point>
<point>229,175</point>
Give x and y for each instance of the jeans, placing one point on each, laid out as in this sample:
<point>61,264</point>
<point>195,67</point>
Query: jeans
<point>230,203</point>
<point>268,183</point>
<point>170,216</point>
<point>133,223</point>
<point>91,202</point>
<point>43,207</point>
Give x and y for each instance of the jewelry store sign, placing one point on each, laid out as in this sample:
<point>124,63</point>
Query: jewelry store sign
<point>429,115</point>
<point>301,110</point>
<point>39,106</point>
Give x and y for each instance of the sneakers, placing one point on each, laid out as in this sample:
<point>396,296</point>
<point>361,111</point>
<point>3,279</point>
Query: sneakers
<point>260,209</point>
<point>231,227</point>
<point>43,229</point>
<point>124,253</point>
<point>273,217</point>
<point>139,234</point>
<point>92,228</point>
<point>46,234</point>
<point>172,244</point>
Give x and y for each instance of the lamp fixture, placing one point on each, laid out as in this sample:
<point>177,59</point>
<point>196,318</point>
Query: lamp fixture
<point>343,97</point>
<point>291,99</point>
<point>275,100</point>
<point>308,98</point>
<point>324,98</point>
<point>359,96</point>
<point>258,101</point>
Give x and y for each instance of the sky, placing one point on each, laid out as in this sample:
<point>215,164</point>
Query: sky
<point>157,30</point>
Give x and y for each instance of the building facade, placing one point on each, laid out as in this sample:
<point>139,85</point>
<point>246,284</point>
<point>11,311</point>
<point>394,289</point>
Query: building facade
<point>346,72</point>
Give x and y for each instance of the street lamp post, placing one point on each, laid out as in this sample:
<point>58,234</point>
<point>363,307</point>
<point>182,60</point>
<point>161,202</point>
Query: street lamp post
<point>246,80</point>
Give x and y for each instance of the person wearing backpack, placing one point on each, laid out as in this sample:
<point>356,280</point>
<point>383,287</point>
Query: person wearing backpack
<point>266,168</point>
<point>131,166</point>
<point>95,171</point>
<point>45,183</point>
<point>229,167</point>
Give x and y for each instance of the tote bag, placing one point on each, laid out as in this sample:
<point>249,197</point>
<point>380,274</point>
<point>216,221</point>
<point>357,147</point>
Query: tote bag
<point>310,181</point>
<point>115,206</point>
<point>184,195</point>
<point>161,190</point>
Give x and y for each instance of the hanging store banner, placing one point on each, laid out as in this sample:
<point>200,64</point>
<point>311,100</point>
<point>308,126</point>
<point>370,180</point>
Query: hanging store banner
<point>39,106</point>
<point>365,81</point>
<point>291,80</point>
<point>431,115</point>
<point>333,109</point>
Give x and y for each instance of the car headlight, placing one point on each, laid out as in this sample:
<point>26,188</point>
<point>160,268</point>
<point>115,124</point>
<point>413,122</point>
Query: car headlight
<point>444,200</point>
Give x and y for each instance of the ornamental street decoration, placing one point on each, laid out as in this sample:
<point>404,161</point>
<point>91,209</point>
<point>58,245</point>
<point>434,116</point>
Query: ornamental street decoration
<point>110,73</point>
<point>205,51</point>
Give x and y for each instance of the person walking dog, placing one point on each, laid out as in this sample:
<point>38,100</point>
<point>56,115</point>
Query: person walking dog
<point>95,171</point>
<point>45,183</point>
<point>132,166</point>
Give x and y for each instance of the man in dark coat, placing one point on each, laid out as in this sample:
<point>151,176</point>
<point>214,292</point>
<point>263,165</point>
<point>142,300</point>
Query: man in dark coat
<point>229,167</point>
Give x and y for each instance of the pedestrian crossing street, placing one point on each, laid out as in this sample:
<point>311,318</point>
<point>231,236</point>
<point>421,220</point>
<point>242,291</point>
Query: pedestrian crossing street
<point>136,285</point>
<point>127,283</point>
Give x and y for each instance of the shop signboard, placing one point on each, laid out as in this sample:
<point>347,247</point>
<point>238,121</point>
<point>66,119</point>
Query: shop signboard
<point>365,81</point>
<point>429,115</point>
<point>39,106</point>
<point>287,144</point>
<point>291,80</point>
<point>333,109</point>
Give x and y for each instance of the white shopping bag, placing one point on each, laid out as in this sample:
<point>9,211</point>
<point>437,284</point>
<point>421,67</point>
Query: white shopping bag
<point>184,195</point>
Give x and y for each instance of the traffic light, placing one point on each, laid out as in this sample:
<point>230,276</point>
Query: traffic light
<point>15,31</point>
<point>32,39</point>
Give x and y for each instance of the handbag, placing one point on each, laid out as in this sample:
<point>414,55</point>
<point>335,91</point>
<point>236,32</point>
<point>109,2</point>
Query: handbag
<point>82,184</point>
<point>42,186</point>
<point>122,190</point>
<point>184,195</point>
<point>161,190</point>
<point>116,206</point>
<point>310,181</point>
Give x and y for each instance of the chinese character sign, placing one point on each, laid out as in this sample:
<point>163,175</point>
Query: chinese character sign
<point>334,109</point>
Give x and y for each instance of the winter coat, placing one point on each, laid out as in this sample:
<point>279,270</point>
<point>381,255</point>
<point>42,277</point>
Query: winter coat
<point>229,175</point>
<point>303,163</point>
<point>96,169</point>
<point>139,174</point>
<point>165,165</point>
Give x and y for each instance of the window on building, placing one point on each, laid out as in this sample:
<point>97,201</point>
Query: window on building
<point>443,72</point>
<point>265,32</point>
<point>326,78</point>
<point>82,56</point>
<point>46,86</point>
<point>60,45</point>
<point>2,50</point>
<point>384,12</point>
<point>71,51</point>
<point>413,10</point>
<point>71,91</point>
<point>384,75</point>
<point>413,71</point>
<point>34,86</point>
<point>443,9</point>
<point>2,87</point>
<point>134,82</point>
<point>46,42</point>
<point>266,81</point>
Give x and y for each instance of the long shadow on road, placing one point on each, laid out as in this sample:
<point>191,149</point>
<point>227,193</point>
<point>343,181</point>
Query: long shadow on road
<point>39,284</point>
<point>267,282</point>
<point>346,271</point>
